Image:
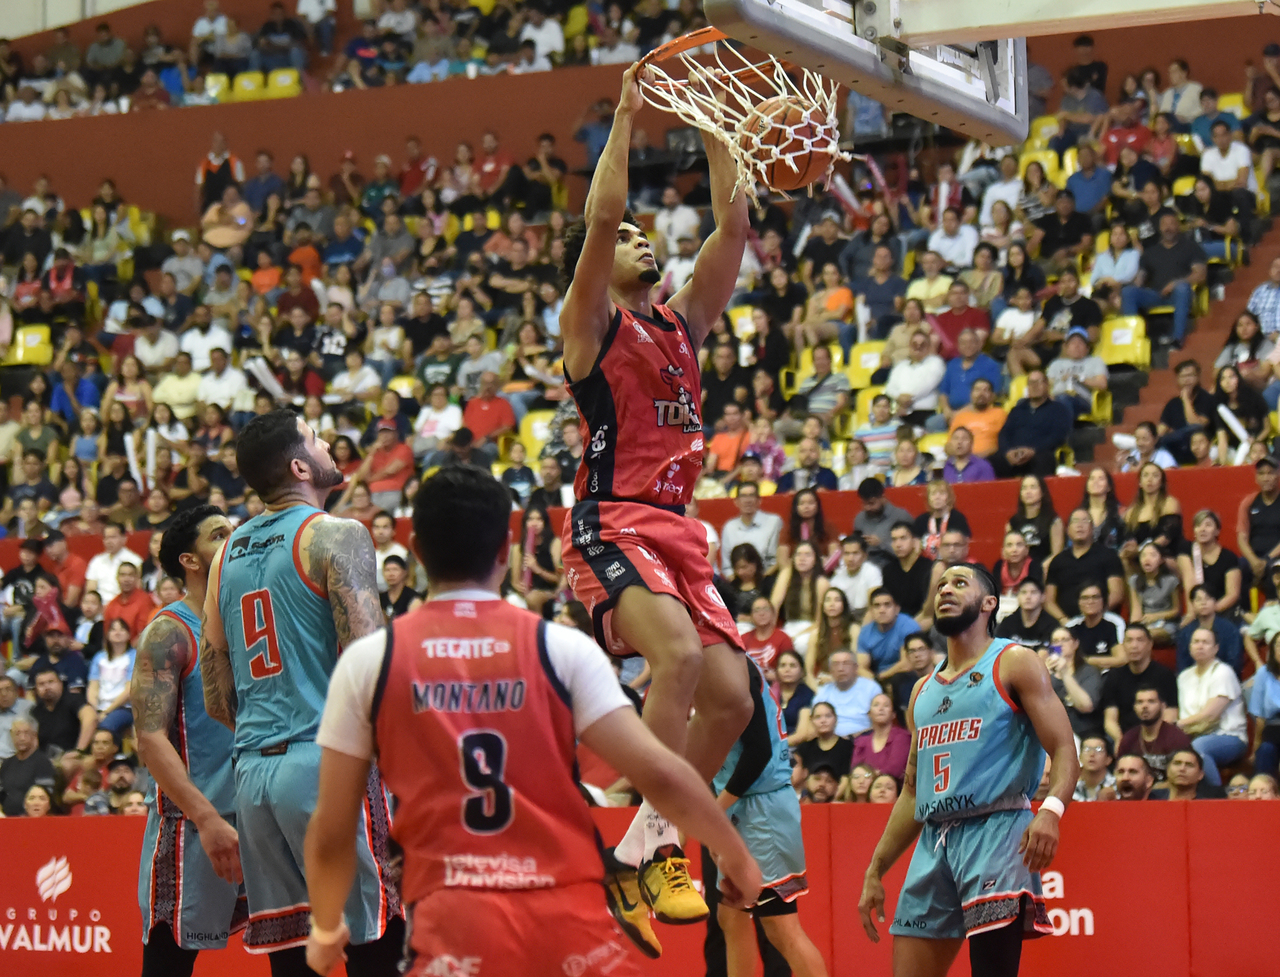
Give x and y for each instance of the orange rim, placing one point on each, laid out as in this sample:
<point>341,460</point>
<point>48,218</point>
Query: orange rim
<point>678,45</point>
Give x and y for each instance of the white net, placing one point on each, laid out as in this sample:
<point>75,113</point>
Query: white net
<point>735,120</point>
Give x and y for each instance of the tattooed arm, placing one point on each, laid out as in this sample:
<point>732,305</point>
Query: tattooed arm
<point>215,654</point>
<point>164,653</point>
<point>339,557</point>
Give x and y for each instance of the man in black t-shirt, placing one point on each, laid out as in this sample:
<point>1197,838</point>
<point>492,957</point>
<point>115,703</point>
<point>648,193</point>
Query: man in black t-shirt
<point>542,175</point>
<point>1168,274</point>
<point>1121,684</point>
<point>29,765</point>
<point>1082,562</point>
<point>1067,310</point>
<point>1029,625</point>
<point>1062,235</point>
<point>398,598</point>
<point>1194,409</point>
<point>907,575</point>
<point>725,381</point>
<point>822,248</point>
<point>422,324</point>
<point>33,484</point>
<point>63,719</point>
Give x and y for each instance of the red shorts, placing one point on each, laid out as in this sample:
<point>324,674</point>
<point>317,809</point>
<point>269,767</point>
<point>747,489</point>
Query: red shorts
<point>610,546</point>
<point>564,932</point>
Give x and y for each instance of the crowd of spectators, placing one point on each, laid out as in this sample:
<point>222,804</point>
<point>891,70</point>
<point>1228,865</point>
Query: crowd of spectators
<point>409,312</point>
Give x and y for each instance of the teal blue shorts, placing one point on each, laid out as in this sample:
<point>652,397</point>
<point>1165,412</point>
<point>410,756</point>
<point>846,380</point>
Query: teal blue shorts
<point>966,877</point>
<point>275,796</point>
<point>178,886</point>
<point>770,825</point>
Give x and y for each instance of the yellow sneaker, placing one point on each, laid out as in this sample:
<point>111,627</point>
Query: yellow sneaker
<point>622,891</point>
<point>668,888</point>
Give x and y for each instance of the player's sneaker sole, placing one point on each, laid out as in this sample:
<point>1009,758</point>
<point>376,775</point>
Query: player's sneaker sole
<point>667,887</point>
<point>629,910</point>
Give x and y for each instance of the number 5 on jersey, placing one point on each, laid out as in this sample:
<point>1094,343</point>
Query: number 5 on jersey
<point>259,622</point>
<point>941,772</point>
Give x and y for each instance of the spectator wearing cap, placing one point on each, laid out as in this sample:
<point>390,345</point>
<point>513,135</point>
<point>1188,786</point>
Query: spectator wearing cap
<point>122,776</point>
<point>876,519</point>
<point>1076,374</point>
<point>28,766</point>
<point>1258,519</point>
<point>184,264</point>
<point>1035,429</point>
<point>381,186</point>
<point>387,467</point>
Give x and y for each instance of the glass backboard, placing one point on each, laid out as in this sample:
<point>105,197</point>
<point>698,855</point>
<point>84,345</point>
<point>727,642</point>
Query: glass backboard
<point>977,89</point>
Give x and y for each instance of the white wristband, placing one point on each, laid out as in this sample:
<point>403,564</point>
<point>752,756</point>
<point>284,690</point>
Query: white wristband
<point>1054,805</point>
<point>321,935</point>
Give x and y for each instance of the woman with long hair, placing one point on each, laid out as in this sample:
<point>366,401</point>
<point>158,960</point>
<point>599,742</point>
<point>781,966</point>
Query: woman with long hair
<point>100,248</point>
<point>1003,230</point>
<point>1035,518</point>
<point>214,431</point>
<point>1015,565</point>
<point>861,778</point>
<point>1117,266</point>
<point>109,675</point>
<point>1146,450</point>
<point>906,469</point>
<point>1153,515</point>
<point>1021,272</point>
<point>826,748</point>
<point>1207,562</point>
<point>1162,148</point>
<point>749,581</point>
<point>73,475</point>
<point>130,387</point>
<point>794,693</point>
<point>24,290</point>
<point>1247,349</point>
<point>1155,595</point>
<point>836,629</point>
<point>118,432</point>
<point>885,745</point>
<point>1036,199</point>
<point>798,592</point>
<point>295,184</point>
<point>455,180</point>
<point>1247,406</point>
<point>1077,684</point>
<point>807,524</point>
<point>536,573</point>
<point>1104,508</point>
<point>771,351</point>
<point>985,279</point>
<point>940,516</point>
<point>163,430</point>
<point>159,514</point>
<point>857,465</point>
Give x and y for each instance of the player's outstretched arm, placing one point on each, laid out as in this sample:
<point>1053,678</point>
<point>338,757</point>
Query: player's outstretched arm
<point>330,853</point>
<point>1024,675</point>
<point>673,787</point>
<point>715,274</point>
<point>338,555</point>
<point>215,654</point>
<point>899,834</point>
<point>164,652</point>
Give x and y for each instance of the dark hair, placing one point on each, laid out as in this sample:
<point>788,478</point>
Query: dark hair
<point>268,445</point>
<point>1198,589</point>
<point>1258,337</point>
<point>881,592</point>
<point>908,526</point>
<point>460,523</point>
<point>989,248</point>
<point>745,552</point>
<point>1184,364</point>
<point>819,525</point>
<point>397,560</point>
<point>1148,687</point>
<point>1112,503</point>
<point>1187,749</point>
<point>577,610</point>
<point>181,538</point>
<point>382,514</point>
<point>1083,40</point>
<point>1046,501</point>
<point>855,539</point>
<point>1138,626</point>
<point>575,235</point>
<point>1141,759</point>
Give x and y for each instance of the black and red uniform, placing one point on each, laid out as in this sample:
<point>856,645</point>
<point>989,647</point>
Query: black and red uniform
<point>640,406</point>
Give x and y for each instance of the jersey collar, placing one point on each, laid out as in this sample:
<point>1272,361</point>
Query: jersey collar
<point>468,593</point>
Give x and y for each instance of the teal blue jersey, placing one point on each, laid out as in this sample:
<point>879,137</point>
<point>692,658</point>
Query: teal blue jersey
<point>760,761</point>
<point>280,631</point>
<point>203,743</point>
<point>976,751</point>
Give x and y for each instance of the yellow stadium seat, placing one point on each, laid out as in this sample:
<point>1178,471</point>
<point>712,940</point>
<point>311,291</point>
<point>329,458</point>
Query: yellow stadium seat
<point>1187,143</point>
<point>1070,161</point>
<point>1183,186</point>
<point>740,317</point>
<point>806,359</point>
<point>403,385</point>
<point>864,360</point>
<point>535,430</point>
<point>1042,130</point>
<point>1102,241</point>
<point>452,228</point>
<point>841,427</point>
<point>576,22</point>
<point>1048,161</point>
<point>1101,411</point>
<point>283,83</point>
<point>217,86</point>
<point>908,265</point>
<point>490,340</point>
<point>1232,102</point>
<point>862,405</point>
<point>1017,390</point>
<point>249,86</point>
<point>31,346</point>
<point>1124,342</point>
<point>930,441</point>
<point>411,224</point>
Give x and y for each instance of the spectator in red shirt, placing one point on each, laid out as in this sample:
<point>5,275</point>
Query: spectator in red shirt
<point>387,467</point>
<point>134,605</point>
<point>766,641</point>
<point>298,379</point>
<point>150,94</point>
<point>958,316</point>
<point>1128,130</point>
<point>297,294</point>
<point>488,417</point>
<point>66,566</point>
<point>493,167</point>
<point>417,170</point>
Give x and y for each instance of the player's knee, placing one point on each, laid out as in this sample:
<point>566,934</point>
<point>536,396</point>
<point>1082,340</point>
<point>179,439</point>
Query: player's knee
<point>676,661</point>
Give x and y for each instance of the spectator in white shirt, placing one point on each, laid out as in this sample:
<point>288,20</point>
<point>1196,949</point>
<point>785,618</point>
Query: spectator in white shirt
<point>400,19</point>
<point>760,529</point>
<point>27,107</point>
<point>1229,164</point>
<point>612,49</point>
<point>678,269</point>
<point>212,24</point>
<point>435,423</point>
<point>529,60</point>
<point>547,34</point>
<point>1008,188</point>
<point>1182,97</point>
<point>155,347</point>
<point>101,572</point>
<point>318,17</point>
<point>222,382</point>
<point>954,241</point>
<point>856,576</point>
<point>202,337</point>
<point>673,221</point>
<point>359,381</point>
<point>913,383</point>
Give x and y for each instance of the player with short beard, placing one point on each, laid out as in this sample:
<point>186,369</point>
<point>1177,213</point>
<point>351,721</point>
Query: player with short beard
<point>981,723</point>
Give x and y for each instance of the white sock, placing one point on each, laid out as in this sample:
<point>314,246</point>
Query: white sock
<point>658,832</point>
<point>630,850</point>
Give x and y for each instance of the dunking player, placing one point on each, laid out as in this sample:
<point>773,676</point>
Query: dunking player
<point>472,708</point>
<point>189,877</point>
<point>754,788</point>
<point>981,722</point>
<point>630,554</point>
<point>289,589</point>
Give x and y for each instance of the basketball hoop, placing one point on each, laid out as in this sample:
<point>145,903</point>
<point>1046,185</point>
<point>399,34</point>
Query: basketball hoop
<point>761,140</point>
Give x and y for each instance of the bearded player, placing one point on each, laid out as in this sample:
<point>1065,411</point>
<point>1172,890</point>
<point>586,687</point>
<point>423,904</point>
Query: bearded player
<point>632,557</point>
<point>981,723</point>
<point>189,877</point>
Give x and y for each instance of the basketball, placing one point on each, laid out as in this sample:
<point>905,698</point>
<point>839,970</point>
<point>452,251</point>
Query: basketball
<point>779,125</point>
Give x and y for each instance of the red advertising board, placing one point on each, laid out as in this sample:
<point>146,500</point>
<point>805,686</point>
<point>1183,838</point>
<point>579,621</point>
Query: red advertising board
<point>1175,889</point>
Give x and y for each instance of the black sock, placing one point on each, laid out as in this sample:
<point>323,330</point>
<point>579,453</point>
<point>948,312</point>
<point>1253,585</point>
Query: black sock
<point>382,957</point>
<point>162,957</point>
<point>997,953</point>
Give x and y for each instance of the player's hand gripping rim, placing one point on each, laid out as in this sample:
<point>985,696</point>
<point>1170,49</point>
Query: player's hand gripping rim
<point>1040,841</point>
<point>871,906</point>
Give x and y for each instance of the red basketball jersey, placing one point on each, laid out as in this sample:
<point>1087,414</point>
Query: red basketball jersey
<point>475,738</point>
<point>641,405</point>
